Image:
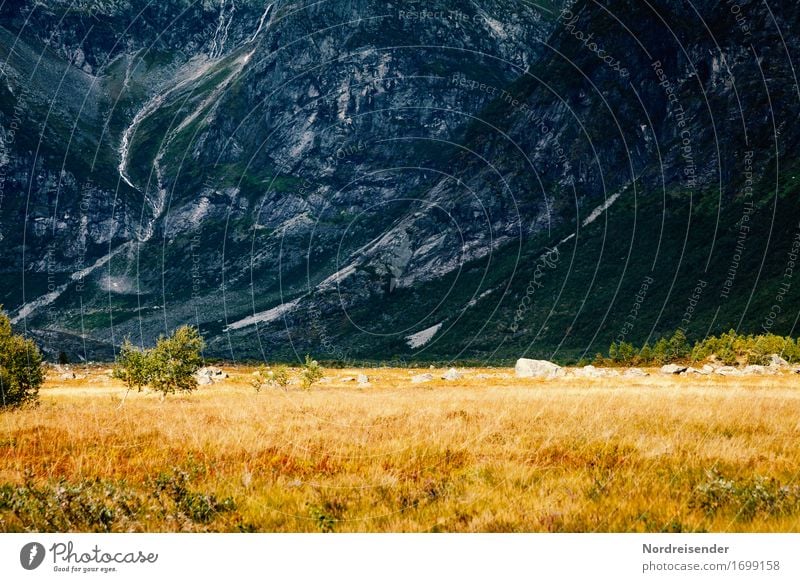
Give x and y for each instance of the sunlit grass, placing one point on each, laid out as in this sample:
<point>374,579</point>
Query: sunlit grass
<point>486,453</point>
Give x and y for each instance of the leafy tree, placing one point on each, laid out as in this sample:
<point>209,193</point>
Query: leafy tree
<point>21,372</point>
<point>174,361</point>
<point>678,347</point>
<point>646,354</point>
<point>626,352</point>
<point>660,351</point>
<point>311,372</point>
<point>133,366</point>
<point>277,376</point>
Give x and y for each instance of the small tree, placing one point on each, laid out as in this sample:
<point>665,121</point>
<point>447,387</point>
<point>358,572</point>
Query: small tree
<point>174,361</point>
<point>626,352</point>
<point>613,352</point>
<point>133,366</point>
<point>277,376</point>
<point>311,373</point>
<point>678,347</point>
<point>21,373</point>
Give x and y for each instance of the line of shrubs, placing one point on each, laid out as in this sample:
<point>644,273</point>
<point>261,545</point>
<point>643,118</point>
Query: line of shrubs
<point>729,348</point>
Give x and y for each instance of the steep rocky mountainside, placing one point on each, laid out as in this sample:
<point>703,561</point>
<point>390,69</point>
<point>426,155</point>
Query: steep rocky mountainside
<point>397,180</point>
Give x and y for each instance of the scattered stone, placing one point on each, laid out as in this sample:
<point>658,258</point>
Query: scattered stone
<point>212,372</point>
<point>758,370</point>
<point>363,379</point>
<point>452,374</point>
<point>635,373</point>
<point>204,380</point>
<point>348,379</point>
<point>421,378</point>
<point>727,371</point>
<point>590,372</point>
<point>673,369</point>
<point>706,370</point>
<point>526,368</point>
<point>775,361</point>
<point>68,376</point>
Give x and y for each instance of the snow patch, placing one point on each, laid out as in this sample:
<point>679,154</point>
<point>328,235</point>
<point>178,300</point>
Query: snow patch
<point>419,339</point>
<point>265,316</point>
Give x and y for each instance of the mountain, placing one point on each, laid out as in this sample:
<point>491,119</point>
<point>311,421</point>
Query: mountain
<point>397,181</point>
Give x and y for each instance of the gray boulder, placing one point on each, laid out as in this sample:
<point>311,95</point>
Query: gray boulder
<point>526,368</point>
<point>452,374</point>
<point>421,378</point>
<point>728,371</point>
<point>634,373</point>
<point>775,361</point>
<point>673,369</point>
<point>363,379</point>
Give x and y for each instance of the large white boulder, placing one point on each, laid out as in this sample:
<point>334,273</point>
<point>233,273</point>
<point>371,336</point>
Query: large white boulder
<point>526,368</point>
<point>673,369</point>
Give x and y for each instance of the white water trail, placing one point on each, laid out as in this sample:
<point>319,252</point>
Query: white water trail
<point>261,23</point>
<point>223,27</point>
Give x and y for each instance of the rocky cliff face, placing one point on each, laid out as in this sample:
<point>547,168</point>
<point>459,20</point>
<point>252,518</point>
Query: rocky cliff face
<point>345,178</point>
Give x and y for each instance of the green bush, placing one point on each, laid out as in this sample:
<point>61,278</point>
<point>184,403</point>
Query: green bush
<point>21,372</point>
<point>168,367</point>
<point>133,366</point>
<point>277,376</point>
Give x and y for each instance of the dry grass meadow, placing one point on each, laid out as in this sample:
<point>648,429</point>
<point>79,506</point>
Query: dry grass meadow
<point>487,453</point>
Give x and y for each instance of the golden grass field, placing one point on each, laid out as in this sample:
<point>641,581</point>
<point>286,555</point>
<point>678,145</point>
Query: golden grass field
<point>488,453</point>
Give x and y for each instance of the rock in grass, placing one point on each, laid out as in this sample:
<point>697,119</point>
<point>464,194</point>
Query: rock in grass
<point>363,379</point>
<point>590,372</point>
<point>727,371</point>
<point>635,373</point>
<point>421,378</point>
<point>673,369</point>
<point>526,368</point>
<point>452,374</point>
